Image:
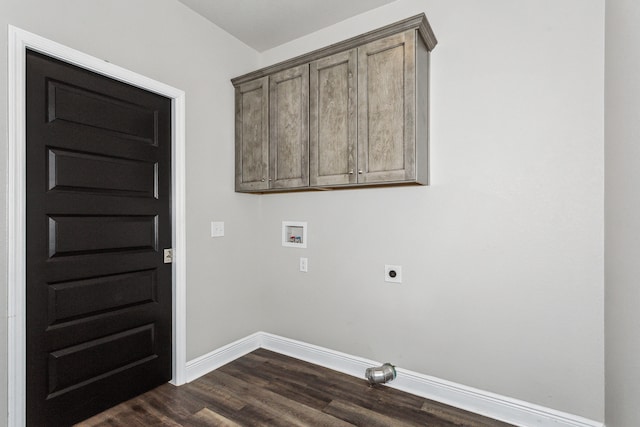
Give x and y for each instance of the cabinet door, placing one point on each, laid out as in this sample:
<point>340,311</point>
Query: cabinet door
<point>333,120</point>
<point>252,135</point>
<point>289,128</point>
<point>386,109</point>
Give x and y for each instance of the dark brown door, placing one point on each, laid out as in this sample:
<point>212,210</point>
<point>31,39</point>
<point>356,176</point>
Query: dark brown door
<point>99,295</point>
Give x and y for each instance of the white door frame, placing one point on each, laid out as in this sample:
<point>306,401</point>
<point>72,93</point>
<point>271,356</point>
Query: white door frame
<point>19,41</point>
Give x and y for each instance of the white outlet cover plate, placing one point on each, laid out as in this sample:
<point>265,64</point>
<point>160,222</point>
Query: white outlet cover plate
<point>217,228</point>
<point>398,273</point>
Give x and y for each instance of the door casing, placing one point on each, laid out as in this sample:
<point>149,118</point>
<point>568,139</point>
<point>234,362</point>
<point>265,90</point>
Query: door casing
<point>19,41</point>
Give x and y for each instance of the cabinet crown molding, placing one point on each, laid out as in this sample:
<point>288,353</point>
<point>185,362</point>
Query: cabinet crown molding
<point>418,22</point>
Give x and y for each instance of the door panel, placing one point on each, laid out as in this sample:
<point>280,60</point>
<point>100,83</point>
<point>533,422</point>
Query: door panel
<point>81,235</point>
<point>289,128</point>
<point>68,368</point>
<point>386,109</point>
<point>99,303</point>
<point>252,135</point>
<point>73,299</point>
<point>76,171</point>
<point>332,120</point>
<point>88,108</point>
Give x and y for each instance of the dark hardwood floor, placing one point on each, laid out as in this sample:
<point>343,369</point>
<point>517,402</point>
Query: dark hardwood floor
<point>265,388</point>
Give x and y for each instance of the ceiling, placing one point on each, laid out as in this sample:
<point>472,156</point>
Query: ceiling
<point>263,24</point>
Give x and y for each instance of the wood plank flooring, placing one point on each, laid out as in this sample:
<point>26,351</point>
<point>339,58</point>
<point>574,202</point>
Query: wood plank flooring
<point>264,388</point>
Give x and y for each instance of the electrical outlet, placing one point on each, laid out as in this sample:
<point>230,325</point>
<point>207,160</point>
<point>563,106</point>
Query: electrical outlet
<point>393,273</point>
<point>304,264</point>
<point>217,229</point>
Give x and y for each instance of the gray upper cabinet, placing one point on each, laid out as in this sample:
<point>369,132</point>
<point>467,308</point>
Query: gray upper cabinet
<point>333,120</point>
<point>252,135</point>
<point>352,114</point>
<point>386,110</point>
<point>289,128</point>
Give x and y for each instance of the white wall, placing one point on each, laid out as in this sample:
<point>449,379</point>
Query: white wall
<point>503,255</point>
<point>166,41</point>
<point>622,213</point>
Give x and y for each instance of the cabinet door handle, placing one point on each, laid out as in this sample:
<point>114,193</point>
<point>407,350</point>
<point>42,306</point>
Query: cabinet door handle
<point>262,180</point>
<point>351,172</point>
<point>360,171</point>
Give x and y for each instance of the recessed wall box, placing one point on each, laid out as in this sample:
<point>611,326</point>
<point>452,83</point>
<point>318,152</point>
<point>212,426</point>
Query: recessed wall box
<point>294,234</point>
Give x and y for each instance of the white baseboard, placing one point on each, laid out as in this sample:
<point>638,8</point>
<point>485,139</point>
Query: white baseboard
<point>211,361</point>
<point>492,405</point>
